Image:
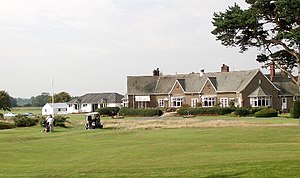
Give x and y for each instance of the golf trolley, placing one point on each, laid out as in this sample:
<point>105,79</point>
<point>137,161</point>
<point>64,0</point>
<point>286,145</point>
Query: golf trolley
<point>93,121</point>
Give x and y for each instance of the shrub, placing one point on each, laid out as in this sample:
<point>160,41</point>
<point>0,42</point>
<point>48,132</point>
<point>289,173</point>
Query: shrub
<point>205,111</point>
<point>108,111</point>
<point>242,112</point>
<point>185,105</point>
<point>41,119</point>
<point>60,121</point>
<point>267,112</point>
<point>23,121</point>
<point>1,116</point>
<point>140,112</point>
<point>5,125</point>
<point>254,110</point>
<point>295,110</point>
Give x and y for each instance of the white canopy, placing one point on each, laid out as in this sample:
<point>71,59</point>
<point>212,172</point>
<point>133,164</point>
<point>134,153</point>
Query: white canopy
<point>142,98</point>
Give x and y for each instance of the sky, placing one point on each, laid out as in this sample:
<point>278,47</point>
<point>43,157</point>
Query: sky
<point>90,46</point>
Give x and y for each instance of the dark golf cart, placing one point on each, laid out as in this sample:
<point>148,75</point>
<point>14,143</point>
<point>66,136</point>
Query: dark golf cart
<point>93,121</point>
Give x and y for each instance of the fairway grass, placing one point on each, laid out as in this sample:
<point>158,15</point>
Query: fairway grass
<point>248,151</point>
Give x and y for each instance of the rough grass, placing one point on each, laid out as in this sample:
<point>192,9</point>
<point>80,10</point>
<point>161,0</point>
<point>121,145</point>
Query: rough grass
<point>157,123</point>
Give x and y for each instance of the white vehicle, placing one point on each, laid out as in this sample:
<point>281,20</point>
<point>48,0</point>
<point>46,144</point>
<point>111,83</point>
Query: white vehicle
<point>10,114</point>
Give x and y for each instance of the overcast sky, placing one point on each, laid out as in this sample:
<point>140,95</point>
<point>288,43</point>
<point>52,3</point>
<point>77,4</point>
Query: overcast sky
<point>93,45</point>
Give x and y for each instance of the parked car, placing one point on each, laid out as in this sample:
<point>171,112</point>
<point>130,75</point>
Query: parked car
<point>10,114</point>
<point>28,114</point>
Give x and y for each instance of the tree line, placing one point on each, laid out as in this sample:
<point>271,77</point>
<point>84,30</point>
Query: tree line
<point>7,102</point>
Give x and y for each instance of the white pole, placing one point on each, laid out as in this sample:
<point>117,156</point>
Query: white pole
<point>52,85</point>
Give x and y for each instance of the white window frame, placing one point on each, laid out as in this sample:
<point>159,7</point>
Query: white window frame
<point>161,103</point>
<point>260,101</point>
<point>224,102</point>
<point>194,102</point>
<point>142,104</point>
<point>284,103</point>
<point>176,102</point>
<point>125,103</point>
<point>208,101</point>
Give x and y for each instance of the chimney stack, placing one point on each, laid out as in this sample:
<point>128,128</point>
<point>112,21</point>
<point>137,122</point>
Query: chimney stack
<point>201,72</point>
<point>272,71</point>
<point>156,72</point>
<point>225,68</point>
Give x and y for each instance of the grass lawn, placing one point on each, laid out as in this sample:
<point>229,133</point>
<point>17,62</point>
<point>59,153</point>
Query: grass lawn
<point>21,110</point>
<point>251,151</point>
<point>247,147</point>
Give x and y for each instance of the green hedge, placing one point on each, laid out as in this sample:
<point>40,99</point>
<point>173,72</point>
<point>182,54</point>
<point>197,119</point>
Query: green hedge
<point>140,112</point>
<point>23,121</point>
<point>108,111</point>
<point>267,112</point>
<point>205,111</point>
<point>247,111</point>
<point>60,120</point>
<point>242,112</point>
<point>5,125</point>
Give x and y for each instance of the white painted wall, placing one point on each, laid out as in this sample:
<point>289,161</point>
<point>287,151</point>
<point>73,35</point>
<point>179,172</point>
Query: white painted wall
<point>47,109</point>
<point>88,107</point>
<point>59,108</point>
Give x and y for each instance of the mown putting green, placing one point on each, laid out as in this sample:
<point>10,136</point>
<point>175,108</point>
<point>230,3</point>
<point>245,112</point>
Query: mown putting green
<point>266,151</point>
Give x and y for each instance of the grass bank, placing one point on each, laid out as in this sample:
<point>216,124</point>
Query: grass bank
<point>248,151</point>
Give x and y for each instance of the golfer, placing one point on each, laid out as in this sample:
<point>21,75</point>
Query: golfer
<point>50,121</point>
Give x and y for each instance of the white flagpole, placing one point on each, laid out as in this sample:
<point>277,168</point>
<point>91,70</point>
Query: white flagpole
<point>52,85</point>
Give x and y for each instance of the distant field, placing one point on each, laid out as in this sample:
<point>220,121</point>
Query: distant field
<point>21,110</point>
<point>145,147</point>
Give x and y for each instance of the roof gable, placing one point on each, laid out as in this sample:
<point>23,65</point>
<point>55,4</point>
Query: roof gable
<point>208,84</point>
<point>247,82</point>
<point>179,84</point>
<point>259,92</point>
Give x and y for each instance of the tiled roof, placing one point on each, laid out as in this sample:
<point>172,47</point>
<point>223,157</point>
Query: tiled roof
<point>141,85</point>
<point>99,98</point>
<point>57,105</point>
<point>287,86</point>
<point>223,81</point>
